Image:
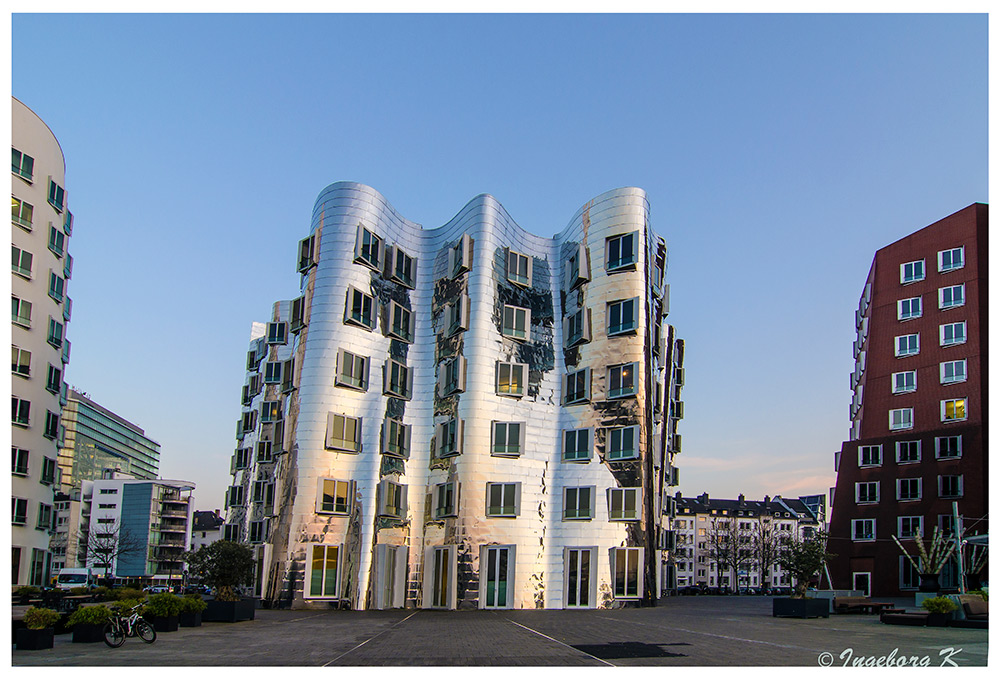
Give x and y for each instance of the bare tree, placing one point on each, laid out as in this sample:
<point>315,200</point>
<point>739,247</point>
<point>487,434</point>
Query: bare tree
<point>766,542</point>
<point>106,543</point>
<point>727,547</point>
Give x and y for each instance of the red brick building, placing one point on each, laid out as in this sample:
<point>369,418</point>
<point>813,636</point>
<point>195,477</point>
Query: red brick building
<point>918,437</point>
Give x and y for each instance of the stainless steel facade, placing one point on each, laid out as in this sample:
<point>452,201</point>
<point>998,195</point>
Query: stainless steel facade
<point>475,416</point>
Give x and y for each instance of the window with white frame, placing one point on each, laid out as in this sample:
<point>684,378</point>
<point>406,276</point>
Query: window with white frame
<point>510,379</point>
<point>870,455</point>
<point>866,493</point>
<point>623,316</point>
<point>578,267</point>
<point>57,241</point>
<point>452,376</point>
<point>623,503</point>
<point>21,213</point>
<point>449,438</point>
<point>627,572</point>
<point>904,382</point>
<point>908,489</point>
<point>242,458</point>
<point>949,486</point>
<point>48,471</point>
<point>901,419</point>
<point>576,387</point>
<point>44,521</point>
<point>18,511</point>
<point>953,372</point>
<point>272,372</point>
<point>270,411</point>
<point>576,328</point>
<point>948,447</point>
<point>907,451</point>
<point>949,260</point>
<point>324,569</point>
<point>396,439</point>
<point>622,380</point>
<point>578,503</point>
<point>907,344</point>
<point>460,256</point>
<point>518,268</point>
<point>910,526</point>
<point>953,410</point>
<point>508,438</point>
<point>622,252</point>
<point>19,461</point>
<point>307,254</point>
<point>258,531</point>
<point>946,525</point>
<point>297,315</point>
<point>445,500</point>
<point>277,333</point>
<point>235,495</point>
<point>265,453</point>
<point>22,164</point>
<point>401,323</point>
<point>20,261</point>
<point>55,335</point>
<point>20,411</point>
<point>368,249</point>
<point>57,194</point>
<point>360,309</point>
<point>576,444</point>
<point>863,529</point>
<point>402,267</point>
<point>20,311</point>
<point>231,532</point>
<point>457,315</point>
<point>907,309</point>
<point>952,333</point>
<point>20,361</point>
<point>352,371</point>
<point>57,287</point>
<point>622,442</point>
<point>397,380</point>
<point>503,500</point>
<point>912,271</point>
<point>516,322</point>
<point>334,496</point>
<point>392,499</point>
<point>950,297</point>
<point>343,432</point>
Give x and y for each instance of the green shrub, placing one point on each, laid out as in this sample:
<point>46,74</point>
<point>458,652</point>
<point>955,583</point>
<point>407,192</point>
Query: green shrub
<point>979,592</point>
<point>128,594</point>
<point>79,591</point>
<point>28,591</point>
<point>163,605</point>
<point>125,605</point>
<point>193,603</point>
<point>939,604</point>
<point>102,592</point>
<point>40,617</point>
<point>93,614</point>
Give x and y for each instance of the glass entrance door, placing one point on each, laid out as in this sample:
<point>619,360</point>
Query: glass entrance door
<point>497,559</point>
<point>442,569</point>
<point>578,581</point>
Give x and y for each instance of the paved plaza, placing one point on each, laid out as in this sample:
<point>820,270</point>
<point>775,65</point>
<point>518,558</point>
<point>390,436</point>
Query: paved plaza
<point>685,631</point>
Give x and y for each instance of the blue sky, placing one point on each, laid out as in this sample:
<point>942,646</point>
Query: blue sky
<point>778,153</point>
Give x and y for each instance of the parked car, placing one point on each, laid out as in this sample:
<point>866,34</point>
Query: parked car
<point>157,589</point>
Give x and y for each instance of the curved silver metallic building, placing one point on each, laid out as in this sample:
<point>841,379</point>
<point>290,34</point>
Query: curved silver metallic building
<point>469,416</point>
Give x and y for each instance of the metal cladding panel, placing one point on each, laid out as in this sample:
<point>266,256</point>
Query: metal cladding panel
<point>538,533</point>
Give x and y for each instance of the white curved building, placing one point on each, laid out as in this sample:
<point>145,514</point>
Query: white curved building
<point>469,416</point>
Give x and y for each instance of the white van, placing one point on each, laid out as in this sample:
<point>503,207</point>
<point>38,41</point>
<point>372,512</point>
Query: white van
<point>72,577</point>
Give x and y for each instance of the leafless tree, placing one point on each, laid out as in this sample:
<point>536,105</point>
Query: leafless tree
<point>766,542</point>
<point>106,543</point>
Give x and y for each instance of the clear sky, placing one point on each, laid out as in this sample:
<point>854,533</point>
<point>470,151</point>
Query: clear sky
<point>778,153</point>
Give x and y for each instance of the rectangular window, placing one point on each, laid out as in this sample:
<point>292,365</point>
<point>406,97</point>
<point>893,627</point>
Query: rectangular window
<point>953,372</point>
<point>622,442</point>
<point>401,323</point>
<point>270,411</point>
<point>863,529</point>
<point>265,453</point>
<point>627,572</point>
<point>57,241</point>
<point>343,432</point>
<point>623,316</point>
<point>622,380</point>
<point>948,447</point>
<point>907,451</point>
<point>907,309</point>
<point>272,372</point>
<point>449,438</point>
<point>396,439</point>
<point>334,496</point>
<point>949,260</point>
<point>231,532</point>
<point>518,268</point>
<point>952,333</point>
<point>392,499</point>
<point>20,361</point>
<point>234,496</point>
<point>56,195</point>
<point>508,438</point>
<point>368,250</point>
<point>460,256</point>
<point>623,503</point>
<point>622,252</point>
<point>911,272</point>
<point>20,261</point>
<point>576,328</point>
<point>307,254</point>
<point>901,419</point>
<point>287,375</point>
<point>56,287</point>
<point>297,316</point>
<point>578,267</point>
<point>21,164</point>
<point>452,376</point>
<point>953,410</point>
<point>44,517</point>
<point>578,503</point>
<point>360,309</point>
<point>352,371</point>
<point>866,493</point>
<point>576,444</point>
<point>576,387</point>
<point>277,333</point>
<point>397,380</point>
<point>510,379</point>
<point>516,322</point>
<point>19,461</point>
<point>503,500</point>
<point>457,315</point>
<point>949,297</point>
<point>53,380</point>
<point>910,527</point>
<point>444,501</point>
<point>904,382</point>
<point>400,266</point>
<point>21,213</point>
<point>18,511</point>
<point>55,334</point>
<point>258,531</point>
<point>20,411</point>
<point>908,489</point>
<point>20,311</point>
<point>949,486</point>
<point>907,344</point>
<point>324,564</point>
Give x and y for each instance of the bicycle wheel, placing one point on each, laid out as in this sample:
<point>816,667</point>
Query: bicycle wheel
<point>145,631</point>
<point>114,634</point>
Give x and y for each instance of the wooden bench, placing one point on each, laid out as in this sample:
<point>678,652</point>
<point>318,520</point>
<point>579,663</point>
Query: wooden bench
<point>851,604</point>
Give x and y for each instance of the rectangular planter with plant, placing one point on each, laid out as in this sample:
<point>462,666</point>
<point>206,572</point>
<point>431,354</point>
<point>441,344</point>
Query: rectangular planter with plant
<point>940,609</point>
<point>40,631</point>
<point>192,607</point>
<point>88,623</point>
<point>162,609</point>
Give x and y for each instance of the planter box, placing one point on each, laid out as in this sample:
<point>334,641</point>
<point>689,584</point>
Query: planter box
<point>938,618</point>
<point>88,633</point>
<point>189,619</point>
<point>35,639</point>
<point>800,607</point>
<point>164,624</point>
<point>229,611</point>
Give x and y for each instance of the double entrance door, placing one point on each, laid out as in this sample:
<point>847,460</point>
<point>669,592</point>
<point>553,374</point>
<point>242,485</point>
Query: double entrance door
<point>579,564</point>
<point>496,572</point>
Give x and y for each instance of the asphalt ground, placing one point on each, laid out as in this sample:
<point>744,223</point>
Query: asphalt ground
<point>684,631</point>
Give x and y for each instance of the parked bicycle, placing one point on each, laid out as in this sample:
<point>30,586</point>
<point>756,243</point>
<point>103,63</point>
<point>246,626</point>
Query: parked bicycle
<point>121,627</point>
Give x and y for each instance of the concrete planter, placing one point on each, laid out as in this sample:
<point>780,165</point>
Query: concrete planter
<point>800,607</point>
<point>938,618</point>
<point>88,633</point>
<point>35,639</point>
<point>164,624</point>
<point>189,619</point>
<point>229,611</point>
